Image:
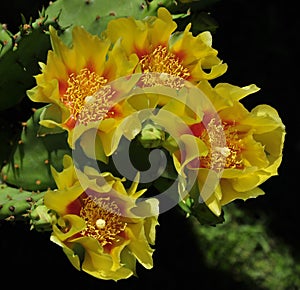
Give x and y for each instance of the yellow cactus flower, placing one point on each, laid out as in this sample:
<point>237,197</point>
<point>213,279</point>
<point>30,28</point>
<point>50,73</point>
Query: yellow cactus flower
<point>98,226</point>
<point>160,50</point>
<point>72,77</point>
<point>244,147</point>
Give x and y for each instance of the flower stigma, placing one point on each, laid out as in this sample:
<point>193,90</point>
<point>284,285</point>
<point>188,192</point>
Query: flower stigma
<point>99,106</point>
<point>103,220</point>
<point>221,156</point>
<point>81,88</point>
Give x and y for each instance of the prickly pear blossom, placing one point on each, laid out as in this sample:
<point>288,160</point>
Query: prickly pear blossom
<point>235,150</point>
<point>73,75</point>
<point>160,50</point>
<point>251,153</point>
<point>98,226</point>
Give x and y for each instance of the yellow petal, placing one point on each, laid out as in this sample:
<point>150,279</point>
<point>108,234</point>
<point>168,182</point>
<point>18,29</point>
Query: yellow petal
<point>229,194</point>
<point>73,258</point>
<point>139,245</point>
<point>73,223</point>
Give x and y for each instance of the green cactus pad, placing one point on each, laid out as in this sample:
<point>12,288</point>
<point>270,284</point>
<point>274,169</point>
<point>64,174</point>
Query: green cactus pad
<point>19,64</point>
<point>16,203</point>
<point>94,15</point>
<point>6,39</point>
<point>29,165</point>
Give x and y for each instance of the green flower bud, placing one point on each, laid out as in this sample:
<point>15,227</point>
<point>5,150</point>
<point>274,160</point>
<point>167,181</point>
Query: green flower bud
<point>41,218</point>
<point>151,136</point>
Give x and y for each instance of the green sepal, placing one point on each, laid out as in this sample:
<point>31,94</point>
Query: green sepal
<point>42,218</point>
<point>193,205</point>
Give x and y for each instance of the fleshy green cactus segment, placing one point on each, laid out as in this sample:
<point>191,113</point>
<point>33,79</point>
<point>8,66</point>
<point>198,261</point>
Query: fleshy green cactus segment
<point>94,15</point>
<point>29,166</point>
<point>6,39</point>
<point>15,203</point>
<point>19,57</point>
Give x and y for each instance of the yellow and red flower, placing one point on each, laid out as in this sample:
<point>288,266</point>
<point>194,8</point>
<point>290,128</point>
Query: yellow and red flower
<point>241,149</point>
<point>73,75</point>
<point>97,227</point>
<point>160,50</point>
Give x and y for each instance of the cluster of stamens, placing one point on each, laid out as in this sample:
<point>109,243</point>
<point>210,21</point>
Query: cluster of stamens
<point>160,60</point>
<point>225,146</point>
<point>81,87</point>
<point>98,106</point>
<point>103,220</point>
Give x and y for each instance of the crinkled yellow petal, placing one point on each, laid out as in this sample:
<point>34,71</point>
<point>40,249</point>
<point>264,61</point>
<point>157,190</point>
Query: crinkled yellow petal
<point>193,48</point>
<point>161,28</point>
<point>198,71</point>
<point>150,227</point>
<point>197,54</point>
<point>236,113</point>
<point>236,173</point>
<point>100,266</point>
<point>64,53</point>
<point>247,182</point>
<point>253,153</point>
<point>141,36</point>
<point>223,95</point>
<point>119,63</point>
<point>193,149</point>
<point>73,223</point>
<point>133,33</point>
<point>210,191</point>
<point>66,178</point>
<point>229,194</point>
<point>235,93</point>
<point>273,142</point>
<point>263,119</point>
<point>139,245</point>
<point>128,128</point>
<point>73,258</point>
<point>55,69</point>
<point>90,50</point>
<point>59,200</point>
<point>115,254</point>
<point>93,150</point>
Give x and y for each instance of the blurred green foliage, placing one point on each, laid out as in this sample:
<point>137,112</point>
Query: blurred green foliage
<point>244,247</point>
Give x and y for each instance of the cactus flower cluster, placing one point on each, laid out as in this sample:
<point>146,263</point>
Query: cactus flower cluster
<point>128,124</point>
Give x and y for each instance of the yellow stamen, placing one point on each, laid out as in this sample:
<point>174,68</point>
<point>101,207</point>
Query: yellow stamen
<point>160,60</point>
<point>222,155</point>
<point>103,220</point>
<point>98,106</point>
<point>81,86</point>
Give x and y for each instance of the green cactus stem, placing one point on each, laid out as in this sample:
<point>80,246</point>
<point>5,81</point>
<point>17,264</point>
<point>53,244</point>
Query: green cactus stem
<point>15,203</point>
<point>33,154</point>
<point>94,15</point>
<point>19,57</point>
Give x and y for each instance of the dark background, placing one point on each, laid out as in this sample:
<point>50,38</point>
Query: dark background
<point>259,42</point>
